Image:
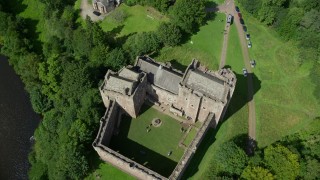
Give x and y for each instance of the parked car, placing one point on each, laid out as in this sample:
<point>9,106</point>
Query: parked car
<point>244,28</point>
<point>237,9</point>
<point>249,44</point>
<point>96,13</point>
<point>239,15</point>
<point>248,36</point>
<point>241,21</point>
<point>253,63</point>
<point>245,72</point>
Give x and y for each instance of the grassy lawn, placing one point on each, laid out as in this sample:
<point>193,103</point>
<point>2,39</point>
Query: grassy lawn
<point>236,120</point>
<point>33,12</point>
<point>150,148</point>
<point>191,135</point>
<point>140,19</point>
<point>206,46</point>
<point>285,102</point>
<point>105,171</point>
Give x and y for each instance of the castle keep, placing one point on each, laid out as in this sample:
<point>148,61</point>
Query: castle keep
<point>198,94</point>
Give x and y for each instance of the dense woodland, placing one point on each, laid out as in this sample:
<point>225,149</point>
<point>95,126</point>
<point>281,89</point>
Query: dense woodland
<point>62,74</point>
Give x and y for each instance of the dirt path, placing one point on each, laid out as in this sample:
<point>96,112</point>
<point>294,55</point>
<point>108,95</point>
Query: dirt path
<point>226,8</point>
<point>229,8</point>
<point>245,53</point>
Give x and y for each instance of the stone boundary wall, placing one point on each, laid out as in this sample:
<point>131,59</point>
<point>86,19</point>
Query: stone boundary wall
<point>107,124</point>
<point>188,154</point>
<point>126,164</point>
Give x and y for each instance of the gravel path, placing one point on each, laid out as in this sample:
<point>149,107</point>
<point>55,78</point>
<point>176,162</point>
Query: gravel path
<point>229,8</point>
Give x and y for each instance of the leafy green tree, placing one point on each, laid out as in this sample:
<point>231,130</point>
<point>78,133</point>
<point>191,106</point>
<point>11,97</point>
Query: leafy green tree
<point>169,34</point>
<point>188,14</point>
<point>142,43</point>
<point>310,168</point>
<point>282,162</point>
<point>256,173</point>
<point>230,159</point>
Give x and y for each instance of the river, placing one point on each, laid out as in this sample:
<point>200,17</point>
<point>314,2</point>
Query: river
<point>17,124</point>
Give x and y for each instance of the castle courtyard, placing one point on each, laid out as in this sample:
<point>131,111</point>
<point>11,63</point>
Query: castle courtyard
<point>157,148</point>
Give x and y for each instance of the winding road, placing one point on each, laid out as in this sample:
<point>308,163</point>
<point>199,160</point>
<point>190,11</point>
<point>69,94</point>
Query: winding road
<point>229,8</point>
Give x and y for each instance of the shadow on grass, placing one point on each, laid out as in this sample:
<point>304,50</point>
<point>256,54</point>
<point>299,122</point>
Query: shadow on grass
<point>33,35</point>
<point>210,16</point>
<point>239,100</point>
<point>139,153</point>
<point>177,65</point>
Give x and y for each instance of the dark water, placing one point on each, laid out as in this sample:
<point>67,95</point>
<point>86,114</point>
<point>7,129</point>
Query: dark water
<point>17,124</point>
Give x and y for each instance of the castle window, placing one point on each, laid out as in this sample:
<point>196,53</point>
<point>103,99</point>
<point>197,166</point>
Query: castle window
<point>191,105</point>
<point>186,98</point>
<point>203,107</point>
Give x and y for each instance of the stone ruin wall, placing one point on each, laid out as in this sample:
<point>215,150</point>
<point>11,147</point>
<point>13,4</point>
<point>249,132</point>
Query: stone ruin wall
<point>130,104</point>
<point>126,164</point>
<point>107,125</point>
<point>108,122</point>
<point>190,151</point>
<point>161,95</point>
<point>140,94</point>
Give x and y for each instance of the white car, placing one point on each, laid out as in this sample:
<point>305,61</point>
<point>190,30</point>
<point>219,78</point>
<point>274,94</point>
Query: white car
<point>248,36</point>
<point>253,63</point>
<point>245,72</point>
<point>249,44</point>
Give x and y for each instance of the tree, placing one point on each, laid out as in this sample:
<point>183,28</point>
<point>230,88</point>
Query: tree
<point>283,163</point>
<point>188,14</point>
<point>310,168</point>
<point>141,43</point>
<point>169,34</point>
<point>256,173</point>
<point>230,159</point>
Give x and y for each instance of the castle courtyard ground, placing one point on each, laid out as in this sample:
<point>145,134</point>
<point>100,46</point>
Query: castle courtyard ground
<point>151,148</point>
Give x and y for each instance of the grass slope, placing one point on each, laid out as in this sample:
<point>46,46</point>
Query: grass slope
<point>236,119</point>
<point>285,103</point>
<point>33,12</point>
<point>140,19</point>
<point>205,46</point>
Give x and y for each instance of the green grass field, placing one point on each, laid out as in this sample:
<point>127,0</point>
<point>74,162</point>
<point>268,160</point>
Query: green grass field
<point>190,136</point>
<point>33,12</point>
<point>150,148</point>
<point>285,103</point>
<point>205,46</point>
<point>140,19</point>
<point>236,120</point>
<point>105,171</point>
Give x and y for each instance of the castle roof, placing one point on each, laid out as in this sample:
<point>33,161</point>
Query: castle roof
<point>120,85</point>
<point>160,76</point>
<point>205,83</point>
<point>129,74</point>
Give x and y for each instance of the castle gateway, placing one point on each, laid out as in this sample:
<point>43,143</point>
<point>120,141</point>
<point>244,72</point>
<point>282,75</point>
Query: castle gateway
<point>197,95</point>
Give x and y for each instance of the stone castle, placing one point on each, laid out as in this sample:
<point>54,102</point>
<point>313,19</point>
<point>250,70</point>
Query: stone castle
<point>198,94</point>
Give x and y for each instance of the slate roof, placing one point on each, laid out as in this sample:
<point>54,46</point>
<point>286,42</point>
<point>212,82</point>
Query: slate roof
<point>129,74</point>
<point>160,76</point>
<point>120,85</point>
<point>206,84</point>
